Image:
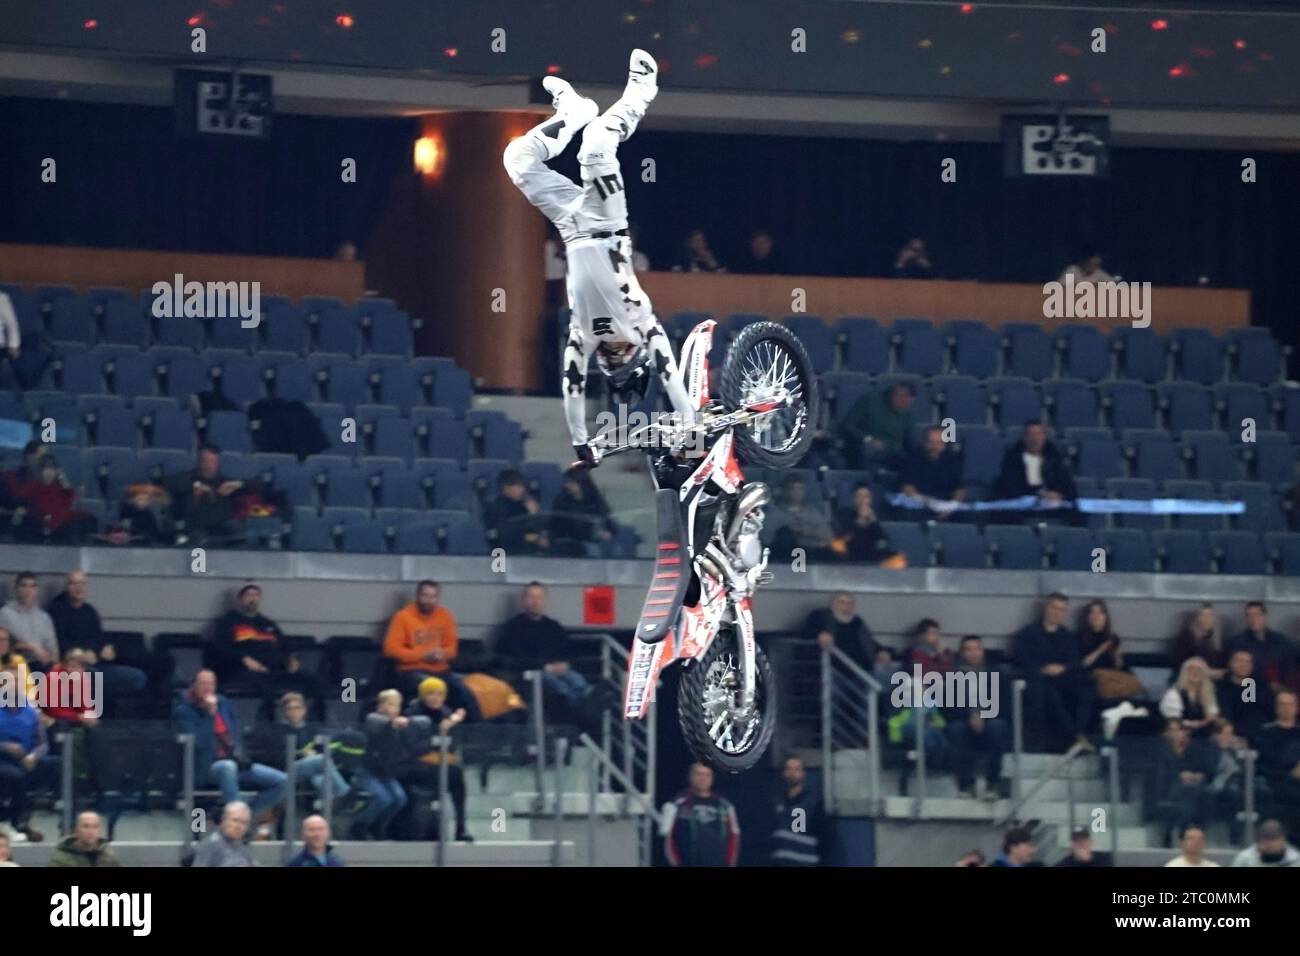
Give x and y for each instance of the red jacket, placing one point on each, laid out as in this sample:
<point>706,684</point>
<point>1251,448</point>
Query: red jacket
<point>51,502</point>
<point>61,694</point>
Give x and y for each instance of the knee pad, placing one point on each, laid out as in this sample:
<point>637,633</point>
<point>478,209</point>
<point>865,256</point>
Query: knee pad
<point>599,144</point>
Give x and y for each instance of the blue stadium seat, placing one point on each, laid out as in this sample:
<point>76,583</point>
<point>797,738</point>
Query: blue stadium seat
<point>241,381</point>
<point>1256,359</point>
<point>239,465</point>
<point>838,485</point>
<point>86,404</point>
<point>292,380</point>
<point>1263,511</point>
<point>124,322</point>
<point>390,334</point>
<point>866,345</point>
<point>455,490</point>
<point>1239,552</point>
<point>1240,401</point>
<point>817,337</point>
<point>333,420</point>
<point>909,539</point>
<point>1085,353</point>
<point>168,428</point>
<point>419,538</point>
<point>229,431</point>
<point>1031,352</point>
<point>338,331</point>
<point>1015,401</point>
<point>1134,489</point>
<point>920,347</point>
<point>1183,552</point>
<point>1014,547</point>
<point>315,306</point>
<point>495,435</point>
<point>1128,549</point>
<point>363,538</point>
<point>187,376</point>
<point>229,333</point>
<point>311,531</point>
<point>1143,355</point>
<point>400,385</point>
<point>427,469</point>
<point>976,349</point>
<point>1090,488</point>
<point>373,306</point>
<point>957,545</point>
<point>1100,458</point>
<point>842,390</point>
<point>394,437</point>
<point>25,307</point>
<point>1073,403</point>
<point>345,382</point>
<point>1128,404</point>
<point>440,434</point>
<point>1284,549</point>
<point>368,415</point>
<point>1287,400</point>
<point>295,482</point>
<point>109,470</point>
<point>116,426</point>
<point>1198,355</point>
<point>452,388</point>
<point>1194,491</point>
<point>1274,459</point>
<point>340,516</point>
<point>1214,456</point>
<point>179,332</point>
<point>545,479</point>
<point>982,452</point>
<point>402,491</point>
<point>1069,549</point>
<point>962,399</point>
<point>284,328</point>
<point>83,373</point>
<point>133,375</point>
<point>1187,406</point>
<point>466,535</point>
<point>1158,458</point>
<point>71,319</point>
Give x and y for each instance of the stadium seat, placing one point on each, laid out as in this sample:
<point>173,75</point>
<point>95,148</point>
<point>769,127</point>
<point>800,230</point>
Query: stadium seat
<point>1274,459</point>
<point>909,539</point>
<point>957,545</point>
<point>124,321</point>
<point>344,382</point>
<point>239,465</point>
<point>495,435</point>
<point>338,331</point>
<point>1128,549</point>
<point>292,380</point>
<point>1158,458</point>
<point>160,462</point>
<point>1287,400</point>
<point>1214,456</point>
<point>842,390</point>
<point>1085,353</point>
<point>333,420</point>
<point>1241,401</point>
<point>1198,355</point>
<point>1187,406</point>
<point>919,346</point>
<point>976,349</point>
<point>1069,549</point>
<point>1031,352</point>
<point>169,428</point>
<point>545,479</point>
<point>1183,552</point>
<point>284,328</point>
<point>116,426</point>
<point>455,490</point>
<point>982,452</point>
<point>400,385</point>
<point>419,538</point>
<point>1194,491</point>
<point>1072,402</point>
<point>1128,404</point>
<point>393,437</point>
<point>465,535</point>
<point>229,431</point>
<point>1100,458</point>
<point>1134,489</point>
<point>365,538</point>
<point>1263,510</point>
<point>1239,552</point>
<point>310,531</point>
<point>866,345</point>
<point>390,333</point>
<point>1014,547</point>
<point>186,376</point>
<point>1256,359</point>
<point>112,469</point>
<point>1284,550</point>
<point>179,332</point>
<point>1015,401</point>
<point>240,381</point>
<point>962,399</point>
<point>1143,355</point>
<point>440,434</point>
<point>228,332</point>
<point>402,491</point>
<point>452,388</point>
<point>133,375</point>
<point>818,340</point>
<point>83,373</point>
<point>71,319</point>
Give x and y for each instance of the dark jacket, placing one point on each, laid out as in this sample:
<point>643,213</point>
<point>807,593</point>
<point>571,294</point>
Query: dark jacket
<point>76,626</point>
<point>389,747</point>
<point>236,636</point>
<point>303,858</point>
<point>525,644</point>
<point>1033,648</point>
<point>1013,483</point>
<point>873,417</point>
<point>797,829</point>
<point>509,521</point>
<point>938,478</point>
<point>1279,751</point>
<point>853,638</point>
<point>702,831</point>
<point>863,543</point>
<point>1247,717</point>
<point>190,718</point>
<point>69,853</point>
<point>1274,654</point>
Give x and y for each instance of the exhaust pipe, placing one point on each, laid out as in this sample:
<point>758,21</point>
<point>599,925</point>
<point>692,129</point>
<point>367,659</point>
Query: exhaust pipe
<point>754,495</point>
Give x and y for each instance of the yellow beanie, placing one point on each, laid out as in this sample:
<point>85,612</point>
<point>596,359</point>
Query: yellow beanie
<point>432,683</point>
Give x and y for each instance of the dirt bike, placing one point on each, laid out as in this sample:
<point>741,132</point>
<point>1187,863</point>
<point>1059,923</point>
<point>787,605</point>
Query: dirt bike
<point>708,558</point>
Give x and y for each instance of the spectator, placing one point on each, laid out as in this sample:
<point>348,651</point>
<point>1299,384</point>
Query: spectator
<point>432,705</point>
<point>204,499</point>
<point>700,827</point>
<point>6,852</point>
<point>1035,466</point>
<point>11,660</point>
<point>859,538</point>
<point>977,742</point>
<point>1059,694</point>
<point>1245,701</point>
<point>759,258</point>
<point>248,651</point>
<point>514,519</point>
<point>913,261</point>
<point>797,523</point>
<point>86,847</point>
<point>31,628</point>
<point>45,511</point>
<point>1278,744</point>
<point>310,760</point>
<point>927,649</point>
<point>421,641</point>
<point>1017,849</point>
<point>933,474</point>
<point>1183,772</point>
<point>71,700</point>
<point>1202,636</point>
<point>1081,851</point>
<point>1193,847</point>
<point>316,847</point>
<point>23,747</point>
<point>77,624</point>
<point>226,847</point>
<point>1274,653</point>
<point>580,521</point>
<point>1087,269</point>
<point>219,758</point>
<point>840,626</point>
<point>697,256</point>
<point>879,426</point>
<point>391,741</point>
<point>1191,700</point>
<point>530,641</point>
<point>797,821</point>
<point>11,336</point>
<point>144,517</point>
<point>927,653</point>
<point>1103,657</point>
<point>1270,849</point>
<point>1228,783</point>
<point>971,858</point>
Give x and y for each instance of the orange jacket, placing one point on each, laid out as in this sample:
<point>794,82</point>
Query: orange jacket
<point>411,635</point>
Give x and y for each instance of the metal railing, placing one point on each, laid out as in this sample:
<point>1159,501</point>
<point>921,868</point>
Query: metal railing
<point>650,819</point>
<point>633,744</point>
<point>1064,762</point>
<point>845,718</point>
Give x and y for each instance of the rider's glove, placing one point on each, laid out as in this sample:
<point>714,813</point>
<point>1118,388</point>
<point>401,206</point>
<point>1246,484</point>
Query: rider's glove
<point>586,456</point>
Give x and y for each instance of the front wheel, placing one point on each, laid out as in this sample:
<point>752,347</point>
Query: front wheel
<point>709,710</point>
<point>768,364</point>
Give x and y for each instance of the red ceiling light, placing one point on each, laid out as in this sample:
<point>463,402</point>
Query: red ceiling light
<point>90,25</point>
<point>345,21</point>
<point>967,8</point>
<point>1180,70</point>
<point>706,60</point>
<point>1159,24</point>
<point>1239,44</point>
<point>553,68</point>
<point>451,52</point>
<point>1061,79</point>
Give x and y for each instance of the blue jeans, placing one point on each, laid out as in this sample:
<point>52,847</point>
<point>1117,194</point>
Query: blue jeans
<point>120,678</point>
<point>968,747</point>
<point>387,798</point>
<point>572,686</point>
<point>313,768</point>
<point>267,781</point>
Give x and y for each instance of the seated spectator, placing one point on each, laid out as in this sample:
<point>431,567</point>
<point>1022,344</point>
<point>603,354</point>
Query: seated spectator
<point>879,426</point>
<point>45,510</point>
<point>310,759</point>
<point>913,261</point>
<point>1191,700</point>
<point>1278,744</point>
<point>426,770</point>
<point>530,641</point>
<point>1103,657</point>
<point>1017,849</point>
<point>1202,636</point>
<point>1273,652</point>
<point>1180,782</point>
<point>1082,853</point>
<point>840,626</point>
<point>759,257</point>
<point>1244,700</point>
<point>1086,269</point>
<point>977,742</point>
<point>794,522</point>
<point>421,642</point>
<point>1193,849</point>
<point>1060,696</point>
<point>77,624</point>
<point>31,628</point>
<point>932,473</point>
<point>859,538</point>
<point>226,847</point>
<point>248,651</point>
<point>700,827</point>
<point>71,700</point>
<point>144,517</point>
<point>11,660</point>
<point>1035,466</point>
<point>204,501</point>
<point>514,519</point>
<point>927,649</point>
<point>316,847</point>
<point>798,823</point>
<point>580,521</point>
<point>23,747</point>
<point>86,846</point>
<point>927,653</point>
<point>219,758</point>
<point>1228,783</point>
<point>697,256</point>
<point>391,741</point>
<point>1270,848</point>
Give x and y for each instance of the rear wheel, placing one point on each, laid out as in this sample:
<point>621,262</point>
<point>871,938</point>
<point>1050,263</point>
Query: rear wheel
<point>768,363</point>
<point>717,729</point>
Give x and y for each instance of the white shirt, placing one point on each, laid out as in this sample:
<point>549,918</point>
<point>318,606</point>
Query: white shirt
<point>10,335</point>
<point>1183,861</point>
<point>1033,469</point>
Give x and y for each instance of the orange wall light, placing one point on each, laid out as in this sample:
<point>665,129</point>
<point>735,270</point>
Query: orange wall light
<point>428,156</point>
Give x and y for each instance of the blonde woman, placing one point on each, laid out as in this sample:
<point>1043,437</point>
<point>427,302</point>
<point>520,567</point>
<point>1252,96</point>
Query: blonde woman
<point>1202,636</point>
<point>1191,701</point>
